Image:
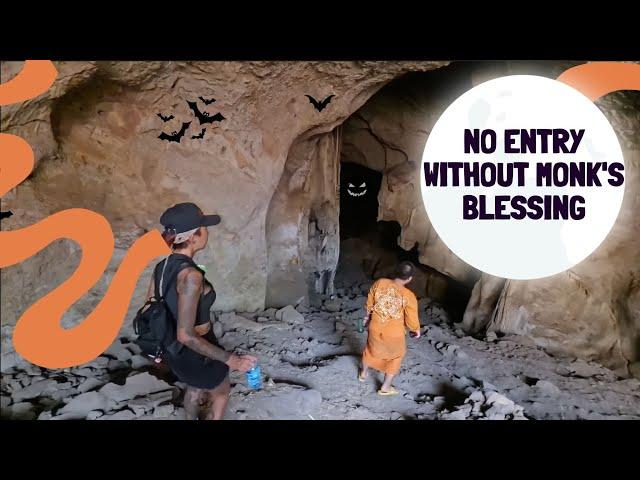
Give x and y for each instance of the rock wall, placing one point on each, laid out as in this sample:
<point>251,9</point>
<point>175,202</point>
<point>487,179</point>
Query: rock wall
<point>302,223</point>
<point>95,138</point>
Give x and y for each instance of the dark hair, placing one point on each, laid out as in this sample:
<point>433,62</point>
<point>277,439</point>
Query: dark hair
<point>169,235</point>
<point>405,270</point>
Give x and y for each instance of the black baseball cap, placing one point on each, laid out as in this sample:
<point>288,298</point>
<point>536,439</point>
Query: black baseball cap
<point>187,216</point>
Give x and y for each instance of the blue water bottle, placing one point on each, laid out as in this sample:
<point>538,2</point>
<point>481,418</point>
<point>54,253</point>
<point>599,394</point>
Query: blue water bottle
<point>254,378</point>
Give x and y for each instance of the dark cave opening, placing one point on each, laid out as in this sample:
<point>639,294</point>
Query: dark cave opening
<point>369,249</point>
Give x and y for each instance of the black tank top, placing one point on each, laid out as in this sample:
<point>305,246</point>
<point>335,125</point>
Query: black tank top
<point>175,264</point>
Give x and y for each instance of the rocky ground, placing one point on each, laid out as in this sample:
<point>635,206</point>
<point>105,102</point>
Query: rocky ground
<point>309,359</point>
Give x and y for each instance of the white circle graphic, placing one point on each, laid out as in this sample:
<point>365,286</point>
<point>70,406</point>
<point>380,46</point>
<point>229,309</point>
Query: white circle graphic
<point>573,181</point>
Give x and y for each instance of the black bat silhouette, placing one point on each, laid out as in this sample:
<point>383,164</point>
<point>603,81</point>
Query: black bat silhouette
<point>175,136</point>
<point>207,102</point>
<point>320,105</point>
<point>5,214</point>
<point>165,119</point>
<point>200,135</point>
<point>204,117</point>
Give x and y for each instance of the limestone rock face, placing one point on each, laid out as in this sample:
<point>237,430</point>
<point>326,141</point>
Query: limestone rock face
<point>95,138</point>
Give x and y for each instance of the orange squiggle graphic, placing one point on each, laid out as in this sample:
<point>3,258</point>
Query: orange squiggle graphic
<point>599,78</point>
<point>38,335</point>
<point>35,78</point>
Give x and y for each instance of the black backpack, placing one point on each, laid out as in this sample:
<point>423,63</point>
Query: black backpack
<point>154,323</point>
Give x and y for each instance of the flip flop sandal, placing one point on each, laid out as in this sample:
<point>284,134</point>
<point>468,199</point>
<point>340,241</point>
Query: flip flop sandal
<point>361,378</point>
<point>390,392</point>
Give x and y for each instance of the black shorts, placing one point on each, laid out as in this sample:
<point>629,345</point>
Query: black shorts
<point>197,370</point>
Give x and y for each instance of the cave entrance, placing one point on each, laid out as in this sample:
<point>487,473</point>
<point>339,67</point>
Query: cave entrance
<point>369,250</point>
<point>368,247</point>
<point>381,144</point>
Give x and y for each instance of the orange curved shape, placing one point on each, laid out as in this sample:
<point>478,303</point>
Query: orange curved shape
<point>38,335</point>
<point>35,78</point>
<point>16,162</point>
<point>600,78</point>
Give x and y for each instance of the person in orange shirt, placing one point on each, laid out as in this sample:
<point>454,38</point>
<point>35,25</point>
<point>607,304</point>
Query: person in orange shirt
<point>391,307</point>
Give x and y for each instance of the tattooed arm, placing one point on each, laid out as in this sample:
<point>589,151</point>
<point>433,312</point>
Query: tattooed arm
<point>189,291</point>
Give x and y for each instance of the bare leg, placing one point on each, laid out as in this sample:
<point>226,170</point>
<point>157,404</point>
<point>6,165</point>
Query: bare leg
<point>364,371</point>
<point>218,398</point>
<point>386,386</point>
<point>192,403</point>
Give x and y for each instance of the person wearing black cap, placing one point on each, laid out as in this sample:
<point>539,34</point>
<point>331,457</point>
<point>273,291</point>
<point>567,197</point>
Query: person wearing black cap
<point>200,362</point>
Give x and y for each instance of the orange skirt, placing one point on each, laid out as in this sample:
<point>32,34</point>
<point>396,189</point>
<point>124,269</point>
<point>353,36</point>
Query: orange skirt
<point>384,353</point>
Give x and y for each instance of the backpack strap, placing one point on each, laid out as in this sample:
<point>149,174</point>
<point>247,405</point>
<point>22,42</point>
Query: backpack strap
<point>164,267</point>
<point>174,275</point>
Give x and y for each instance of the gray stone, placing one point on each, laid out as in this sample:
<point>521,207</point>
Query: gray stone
<point>114,365</point>
<point>495,415</point>
<point>81,405</point>
<point>179,414</point>
<point>118,351</point>
<point>146,404</point>
<point>310,399</point>
<point>121,415</point>
<point>5,401</point>
<point>217,329</point>
<point>333,305</point>
<point>138,362</point>
<point>48,403</point>
<point>477,396</point>
<point>270,313</point>
<point>62,395</point>
<point>580,368</point>
<point>10,361</point>
<point>89,384</point>
<point>136,385</point>
<point>499,409</point>
<point>34,390</point>
<point>163,411</point>
<point>45,415</point>
<point>289,315</point>
<point>547,388</point>
<point>457,415</point>
<point>491,337</point>
<point>494,398</point>
<point>20,411</point>
<point>99,363</point>
<point>133,348</point>
<point>357,303</point>
<point>84,371</point>
<point>94,414</point>
<point>232,321</point>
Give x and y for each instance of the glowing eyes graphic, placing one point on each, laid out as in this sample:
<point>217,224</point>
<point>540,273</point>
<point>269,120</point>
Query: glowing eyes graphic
<point>357,191</point>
